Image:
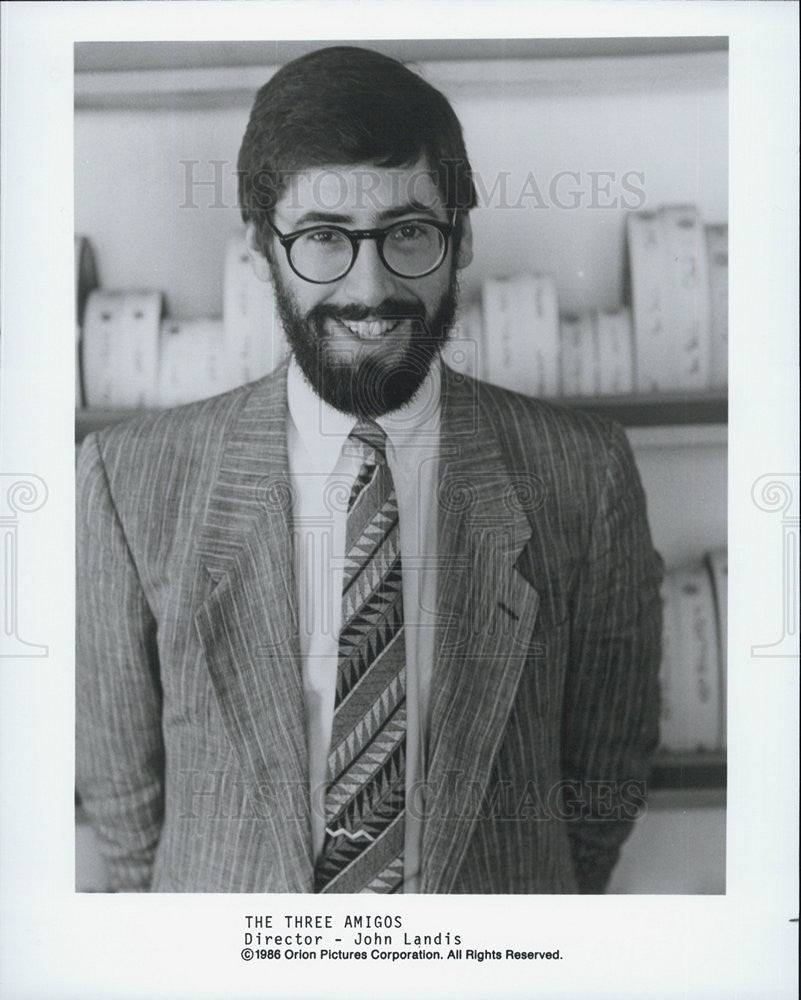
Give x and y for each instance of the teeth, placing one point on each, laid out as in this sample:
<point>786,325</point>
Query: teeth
<point>371,329</point>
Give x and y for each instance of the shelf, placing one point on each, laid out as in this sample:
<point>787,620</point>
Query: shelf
<point>88,420</point>
<point>94,57</point>
<point>660,409</point>
<point>678,436</point>
<point>481,70</point>
<point>670,419</point>
<point>689,770</point>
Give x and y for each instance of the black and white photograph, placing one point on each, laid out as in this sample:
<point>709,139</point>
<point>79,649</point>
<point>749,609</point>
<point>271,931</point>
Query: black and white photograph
<point>475,687</point>
<point>408,420</point>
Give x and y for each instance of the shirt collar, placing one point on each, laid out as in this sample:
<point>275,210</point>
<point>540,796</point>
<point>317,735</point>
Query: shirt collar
<point>322,429</point>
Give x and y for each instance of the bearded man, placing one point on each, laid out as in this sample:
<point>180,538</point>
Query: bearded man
<point>365,625</point>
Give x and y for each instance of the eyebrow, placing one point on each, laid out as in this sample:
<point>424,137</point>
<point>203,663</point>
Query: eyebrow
<point>407,209</point>
<point>410,208</point>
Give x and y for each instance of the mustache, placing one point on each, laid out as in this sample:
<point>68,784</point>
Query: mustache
<point>390,308</point>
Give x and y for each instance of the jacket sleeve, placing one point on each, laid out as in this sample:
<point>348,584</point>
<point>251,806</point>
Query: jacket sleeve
<point>611,708</point>
<point>119,749</point>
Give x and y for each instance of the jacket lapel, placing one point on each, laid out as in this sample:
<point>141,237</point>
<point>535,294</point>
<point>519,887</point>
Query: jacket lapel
<point>486,613</point>
<point>248,625</point>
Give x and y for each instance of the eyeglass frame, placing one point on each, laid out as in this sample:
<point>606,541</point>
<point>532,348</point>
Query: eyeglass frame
<point>355,237</point>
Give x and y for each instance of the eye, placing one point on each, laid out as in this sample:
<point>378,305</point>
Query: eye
<point>324,237</point>
<point>410,231</point>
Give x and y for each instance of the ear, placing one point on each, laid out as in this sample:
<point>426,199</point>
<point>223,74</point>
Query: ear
<point>465,253</point>
<point>257,259</point>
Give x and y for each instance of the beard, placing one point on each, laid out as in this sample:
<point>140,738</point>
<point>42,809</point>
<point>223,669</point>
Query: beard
<point>365,384</point>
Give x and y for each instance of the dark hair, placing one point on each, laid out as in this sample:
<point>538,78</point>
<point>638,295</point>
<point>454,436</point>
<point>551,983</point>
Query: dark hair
<point>347,105</point>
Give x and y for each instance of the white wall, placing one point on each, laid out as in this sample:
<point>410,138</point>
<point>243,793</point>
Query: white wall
<point>676,142</point>
<point>129,191</point>
<point>678,846</point>
<point>686,492</point>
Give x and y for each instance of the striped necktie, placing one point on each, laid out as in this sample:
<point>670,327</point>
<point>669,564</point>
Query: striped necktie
<point>365,797</point>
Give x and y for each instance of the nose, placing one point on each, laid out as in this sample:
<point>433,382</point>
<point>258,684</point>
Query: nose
<point>368,282</point>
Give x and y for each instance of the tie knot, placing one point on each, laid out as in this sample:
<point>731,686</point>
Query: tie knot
<point>370,433</point>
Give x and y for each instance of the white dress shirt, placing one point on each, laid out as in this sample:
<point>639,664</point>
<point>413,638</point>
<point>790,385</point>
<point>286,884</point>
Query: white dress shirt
<point>322,472</point>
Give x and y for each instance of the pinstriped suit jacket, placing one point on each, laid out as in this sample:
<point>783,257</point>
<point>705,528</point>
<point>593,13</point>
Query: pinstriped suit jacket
<point>191,752</point>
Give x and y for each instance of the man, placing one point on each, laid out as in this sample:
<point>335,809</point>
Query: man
<point>365,625</point>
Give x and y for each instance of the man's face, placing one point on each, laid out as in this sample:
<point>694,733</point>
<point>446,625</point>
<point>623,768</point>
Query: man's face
<point>365,341</point>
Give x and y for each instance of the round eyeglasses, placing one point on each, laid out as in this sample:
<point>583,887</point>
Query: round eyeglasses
<point>412,248</point>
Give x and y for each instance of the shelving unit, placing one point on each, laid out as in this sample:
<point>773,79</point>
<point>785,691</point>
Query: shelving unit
<point>592,104</point>
<point>88,420</point>
<point>625,107</point>
<point>555,65</point>
<point>673,418</point>
<point>688,771</point>
<point>675,409</point>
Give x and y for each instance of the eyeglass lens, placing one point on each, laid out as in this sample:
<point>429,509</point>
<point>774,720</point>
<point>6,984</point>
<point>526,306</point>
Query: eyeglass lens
<point>409,248</point>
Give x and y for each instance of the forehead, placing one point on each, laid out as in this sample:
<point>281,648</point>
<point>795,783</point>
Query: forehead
<point>360,190</point>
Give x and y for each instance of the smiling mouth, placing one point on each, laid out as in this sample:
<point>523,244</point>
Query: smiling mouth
<point>370,329</point>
